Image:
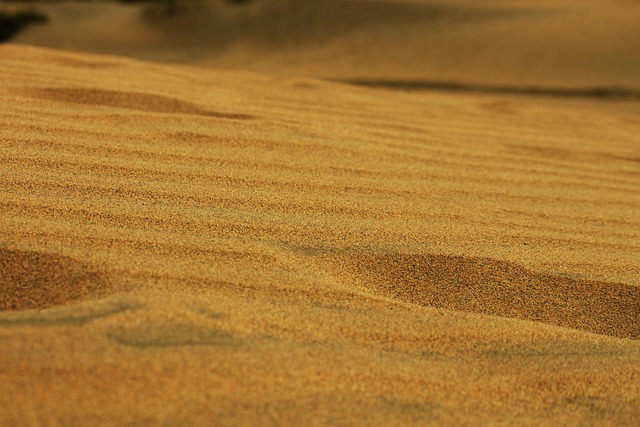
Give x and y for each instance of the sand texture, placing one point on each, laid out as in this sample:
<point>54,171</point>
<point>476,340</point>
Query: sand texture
<point>181,246</point>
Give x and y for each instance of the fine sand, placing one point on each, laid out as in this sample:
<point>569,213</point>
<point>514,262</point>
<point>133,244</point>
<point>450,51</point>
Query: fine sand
<point>181,246</point>
<point>444,230</point>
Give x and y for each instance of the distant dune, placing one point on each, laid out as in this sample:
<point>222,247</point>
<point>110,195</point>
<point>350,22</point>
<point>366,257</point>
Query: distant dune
<point>530,43</point>
<point>183,246</point>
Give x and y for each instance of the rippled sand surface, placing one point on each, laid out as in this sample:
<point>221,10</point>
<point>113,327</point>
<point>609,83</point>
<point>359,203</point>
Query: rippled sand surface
<point>181,246</point>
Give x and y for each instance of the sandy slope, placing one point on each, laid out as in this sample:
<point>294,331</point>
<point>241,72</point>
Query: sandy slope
<point>558,44</point>
<point>181,247</point>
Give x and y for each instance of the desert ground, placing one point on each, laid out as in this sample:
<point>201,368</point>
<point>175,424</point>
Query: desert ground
<point>335,212</point>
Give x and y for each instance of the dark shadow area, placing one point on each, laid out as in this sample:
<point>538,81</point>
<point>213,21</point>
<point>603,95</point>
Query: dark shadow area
<point>128,100</point>
<point>71,317</point>
<point>170,334</point>
<point>35,280</point>
<point>13,22</point>
<point>498,288</point>
<point>614,93</point>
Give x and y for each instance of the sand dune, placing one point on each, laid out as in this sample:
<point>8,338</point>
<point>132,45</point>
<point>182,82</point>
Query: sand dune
<point>183,246</point>
<point>552,45</point>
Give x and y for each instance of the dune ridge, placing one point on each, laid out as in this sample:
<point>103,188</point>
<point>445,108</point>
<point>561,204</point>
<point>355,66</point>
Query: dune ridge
<point>311,253</point>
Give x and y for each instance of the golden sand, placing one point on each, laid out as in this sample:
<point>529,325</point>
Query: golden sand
<point>181,246</point>
<point>532,43</point>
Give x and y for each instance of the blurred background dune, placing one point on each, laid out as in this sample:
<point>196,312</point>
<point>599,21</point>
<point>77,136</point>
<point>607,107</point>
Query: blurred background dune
<point>522,43</point>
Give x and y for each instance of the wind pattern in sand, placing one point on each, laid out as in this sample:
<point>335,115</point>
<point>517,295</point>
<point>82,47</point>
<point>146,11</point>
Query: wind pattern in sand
<point>373,250</point>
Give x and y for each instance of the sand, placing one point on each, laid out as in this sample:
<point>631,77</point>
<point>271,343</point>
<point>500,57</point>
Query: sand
<point>188,246</point>
<point>553,44</point>
<point>205,246</point>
